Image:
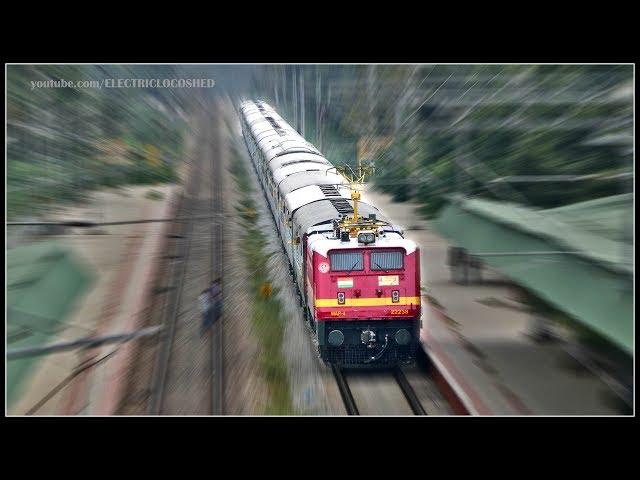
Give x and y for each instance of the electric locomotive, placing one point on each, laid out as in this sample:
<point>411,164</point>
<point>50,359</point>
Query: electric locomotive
<point>357,276</point>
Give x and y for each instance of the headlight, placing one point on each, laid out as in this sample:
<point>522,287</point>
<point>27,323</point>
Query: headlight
<point>336,338</point>
<point>403,337</point>
<point>366,238</point>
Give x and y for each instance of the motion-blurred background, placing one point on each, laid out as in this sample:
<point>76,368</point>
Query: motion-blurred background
<point>434,129</point>
<point>538,159</point>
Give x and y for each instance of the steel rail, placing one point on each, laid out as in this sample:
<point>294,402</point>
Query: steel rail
<point>164,353</point>
<point>408,392</point>
<point>217,240</point>
<point>89,224</point>
<point>345,391</point>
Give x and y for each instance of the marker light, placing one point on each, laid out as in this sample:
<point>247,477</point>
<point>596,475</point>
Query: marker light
<point>395,296</point>
<point>341,298</point>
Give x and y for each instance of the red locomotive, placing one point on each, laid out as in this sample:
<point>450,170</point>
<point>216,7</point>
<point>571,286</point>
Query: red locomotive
<point>358,277</point>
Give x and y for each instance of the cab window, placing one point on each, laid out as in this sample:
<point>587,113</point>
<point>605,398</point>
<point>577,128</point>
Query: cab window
<point>346,261</point>
<point>386,261</point>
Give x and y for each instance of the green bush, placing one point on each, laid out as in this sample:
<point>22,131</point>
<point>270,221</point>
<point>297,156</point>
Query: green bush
<point>267,315</point>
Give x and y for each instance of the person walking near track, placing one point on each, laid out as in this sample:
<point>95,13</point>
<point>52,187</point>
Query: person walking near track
<point>216,298</point>
<point>210,305</point>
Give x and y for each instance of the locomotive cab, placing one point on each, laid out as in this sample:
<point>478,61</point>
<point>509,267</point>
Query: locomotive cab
<point>367,301</point>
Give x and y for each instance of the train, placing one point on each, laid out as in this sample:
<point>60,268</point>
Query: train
<point>357,277</point>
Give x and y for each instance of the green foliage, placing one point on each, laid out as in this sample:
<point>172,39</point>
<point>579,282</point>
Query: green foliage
<point>61,141</point>
<point>154,195</point>
<point>455,128</point>
<point>266,313</point>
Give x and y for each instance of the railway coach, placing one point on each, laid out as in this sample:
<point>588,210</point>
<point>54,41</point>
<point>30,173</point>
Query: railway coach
<point>357,276</point>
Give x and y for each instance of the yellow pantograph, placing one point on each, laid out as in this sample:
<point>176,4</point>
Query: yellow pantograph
<point>356,180</point>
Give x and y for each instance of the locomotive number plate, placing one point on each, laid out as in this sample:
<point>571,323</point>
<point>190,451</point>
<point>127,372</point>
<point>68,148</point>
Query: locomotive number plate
<point>399,312</point>
<point>337,314</point>
<point>385,280</point>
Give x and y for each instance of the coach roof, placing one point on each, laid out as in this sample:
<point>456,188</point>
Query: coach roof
<point>302,179</point>
<point>324,211</point>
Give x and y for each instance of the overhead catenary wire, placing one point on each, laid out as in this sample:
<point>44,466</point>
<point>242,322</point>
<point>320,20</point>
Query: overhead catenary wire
<point>425,101</point>
<point>89,342</point>
<point>90,224</point>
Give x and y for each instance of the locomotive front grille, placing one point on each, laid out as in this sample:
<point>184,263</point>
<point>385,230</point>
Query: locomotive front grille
<point>354,353</point>
<point>359,355</point>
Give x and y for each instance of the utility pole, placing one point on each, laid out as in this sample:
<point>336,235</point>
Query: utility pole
<point>301,80</point>
<point>408,93</point>
<point>275,86</point>
<point>371,127</point>
<point>371,98</point>
<point>318,103</point>
<point>295,97</point>
<point>284,83</point>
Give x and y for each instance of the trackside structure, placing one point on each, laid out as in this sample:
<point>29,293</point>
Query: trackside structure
<point>579,257</point>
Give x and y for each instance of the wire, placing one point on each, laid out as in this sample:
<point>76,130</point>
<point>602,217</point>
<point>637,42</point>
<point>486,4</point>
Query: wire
<point>428,98</point>
<point>66,381</point>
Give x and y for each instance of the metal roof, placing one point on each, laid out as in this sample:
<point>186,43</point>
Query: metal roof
<point>302,179</point>
<point>292,158</point>
<point>565,226</point>
<point>324,211</point>
<point>283,172</point>
<point>322,244</point>
<point>44,281</point>
<point>274,135</point>
<point>592,282</point>
<point>311,193</point>
<point>609,217</point>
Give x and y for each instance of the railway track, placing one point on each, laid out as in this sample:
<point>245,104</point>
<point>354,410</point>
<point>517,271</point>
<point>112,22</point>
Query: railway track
<point>345,392</point>
<point>217,239</point>
<point>395,376</point>
<point>187,377</point>
<point>409,392</point>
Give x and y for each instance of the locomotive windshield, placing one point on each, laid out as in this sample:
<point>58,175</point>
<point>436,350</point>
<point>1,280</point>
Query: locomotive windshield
<point>378,261</point>
<point>346,261</point>
<point>386,261</point>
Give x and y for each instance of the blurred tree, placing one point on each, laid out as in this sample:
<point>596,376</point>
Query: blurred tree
<point>58,139</point>
<point>459,128</point>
